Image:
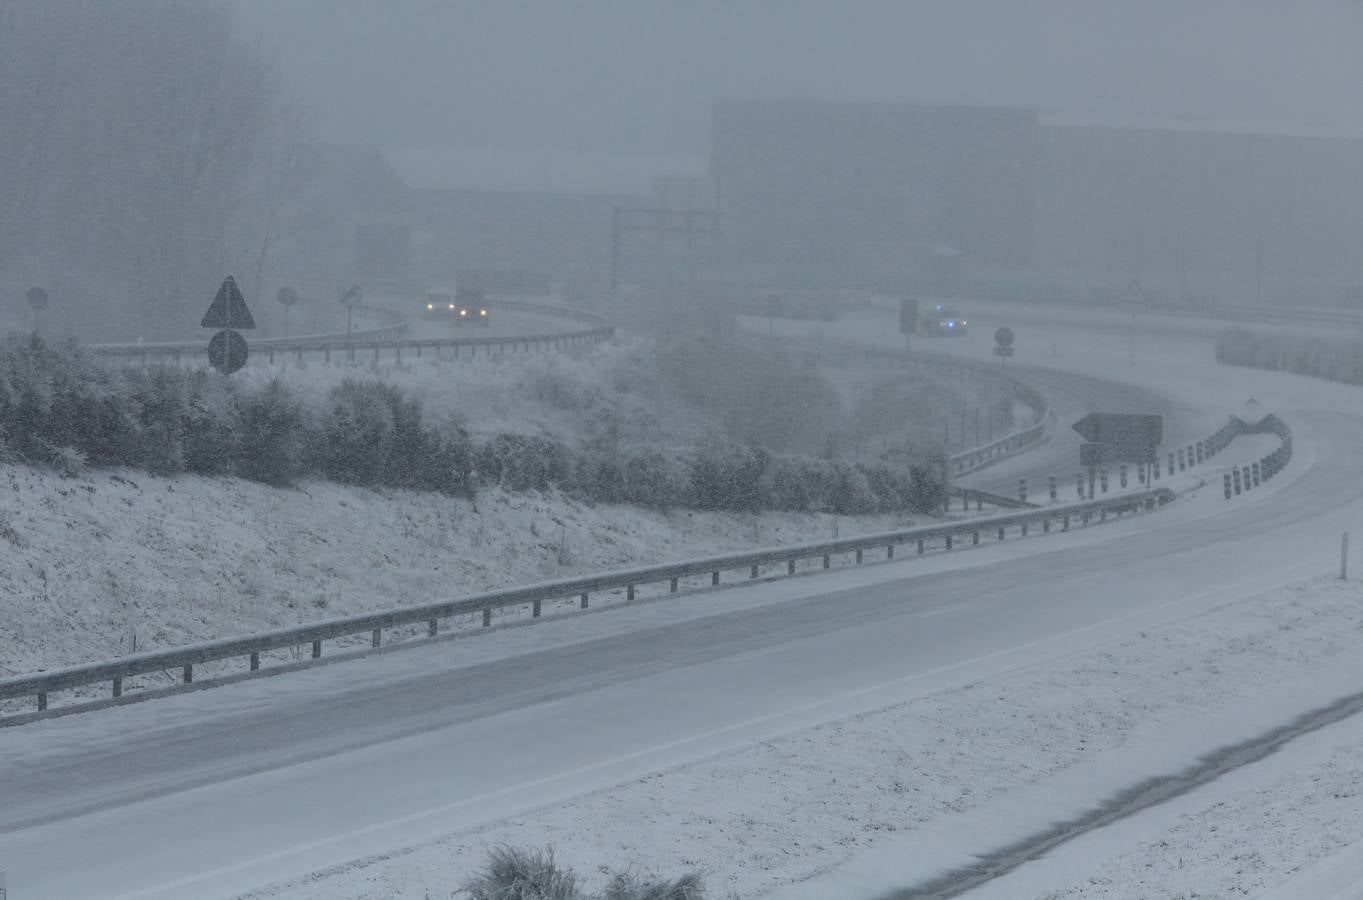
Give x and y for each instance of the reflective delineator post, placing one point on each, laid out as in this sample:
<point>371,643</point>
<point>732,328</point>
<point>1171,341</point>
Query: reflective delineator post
<point>1225,484</point>
<point>1155,477</point>
<point>1022,489</point>
<point>1054,492</point>
<point>1121,474</point>
<point>1171,464</point>
<point>1102,475</point>
<point>1199,451</point>
<point>1182,465</point>
<point>1256,474</point>
<point>1079,485</point>
<point>1235,478</point>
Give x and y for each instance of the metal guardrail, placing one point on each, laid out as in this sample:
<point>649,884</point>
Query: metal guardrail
<point>388,338</point>
<point>40,685</point>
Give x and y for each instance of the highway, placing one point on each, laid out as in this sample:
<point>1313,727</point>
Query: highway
<point>210,794</point>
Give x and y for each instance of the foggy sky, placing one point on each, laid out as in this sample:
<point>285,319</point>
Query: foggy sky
<point>550,88</point>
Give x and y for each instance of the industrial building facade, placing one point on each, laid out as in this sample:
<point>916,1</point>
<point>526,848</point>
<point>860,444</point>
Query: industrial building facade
<point>825,194</point>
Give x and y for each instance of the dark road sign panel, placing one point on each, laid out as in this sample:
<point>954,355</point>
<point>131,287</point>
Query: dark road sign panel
<point>1003,350</point>
<point>1004,337</point>
<point>227,352</point>
<point>1125,437</point>
<point>228,309</point>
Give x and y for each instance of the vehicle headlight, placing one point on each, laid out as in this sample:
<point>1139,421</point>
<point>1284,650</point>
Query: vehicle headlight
<point>430,306</point>
<point>462,312</point>
<point>451,306</point>
<point>482,312</point>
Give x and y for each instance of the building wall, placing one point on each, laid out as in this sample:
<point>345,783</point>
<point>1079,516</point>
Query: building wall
<point>846,192</point>
<point>1203,215</point>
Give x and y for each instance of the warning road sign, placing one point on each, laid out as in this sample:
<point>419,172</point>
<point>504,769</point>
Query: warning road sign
<point>228,309</point>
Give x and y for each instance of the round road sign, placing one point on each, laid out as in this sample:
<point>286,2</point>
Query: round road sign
<point>352,296</point>
<point>1004,337</point>
<point>287,296</point>
<point>227,351</point>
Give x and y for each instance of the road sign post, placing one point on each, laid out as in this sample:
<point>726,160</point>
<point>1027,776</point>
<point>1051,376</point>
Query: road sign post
<point>287,297</point>
<point>350,299</point>
<point>1003,344</point>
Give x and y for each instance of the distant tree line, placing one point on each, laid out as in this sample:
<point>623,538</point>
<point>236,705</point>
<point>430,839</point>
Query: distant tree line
<point>145,149</point>
<point>61,407</point>
<point>1335,359</point>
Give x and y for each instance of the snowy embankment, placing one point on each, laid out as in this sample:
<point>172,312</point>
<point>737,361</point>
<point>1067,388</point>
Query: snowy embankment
<point>93,564</point>
<point>765,819</point>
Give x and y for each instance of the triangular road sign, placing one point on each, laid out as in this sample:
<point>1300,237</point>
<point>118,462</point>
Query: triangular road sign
<point>229,308</point>
<point>1133,294</point>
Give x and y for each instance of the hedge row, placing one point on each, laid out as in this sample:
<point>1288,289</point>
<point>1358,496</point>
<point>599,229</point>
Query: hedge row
<point>61,407</point>
<point>1335,359</point>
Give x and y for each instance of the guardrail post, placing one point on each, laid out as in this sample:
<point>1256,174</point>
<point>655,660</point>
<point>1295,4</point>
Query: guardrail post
<point>948,542</point>
<point>1065,522</point>
<point>432,627</point>
<point>975,537</point>
<point>1079,485</point>
<point>1235,477</point>
<point>1102,475</point>
<point>188,674</point>
<point>920,546</point>
<point>1248,484</point>
<point>858,562</point>
<point>316,649</point>
<point>714,578</point>
<point>1000,532</point>
<point>376,637</point>
<point>1024,528</point>
<point>1256,474</point>
<point>255,661</point>
<point>42,701</point>
<point>1190,456</point>
<point>1225,484</point>
<point>826,561</point>
<point>1051,482</point>
<point>889,552</point>
<point>1171,464</point>
<point>1022,489</point>
<point>629,593</point>
<point>487,617</point>
<point>1121,474</point>
<point>118,685</point>
<point>1182,466</point>
<point>1045,525</point>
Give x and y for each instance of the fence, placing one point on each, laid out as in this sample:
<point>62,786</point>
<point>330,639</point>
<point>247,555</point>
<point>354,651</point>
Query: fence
<point>250,648</point>
<point>387,338</point>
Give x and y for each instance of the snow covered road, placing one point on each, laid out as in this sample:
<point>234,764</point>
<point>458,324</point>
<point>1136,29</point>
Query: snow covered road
<point>209,794</point>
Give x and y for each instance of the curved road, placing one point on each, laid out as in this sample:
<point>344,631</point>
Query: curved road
<point>209,794</point>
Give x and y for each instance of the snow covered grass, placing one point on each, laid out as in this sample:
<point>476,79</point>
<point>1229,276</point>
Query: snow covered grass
<point>95,564</point>
<point>788,809</point>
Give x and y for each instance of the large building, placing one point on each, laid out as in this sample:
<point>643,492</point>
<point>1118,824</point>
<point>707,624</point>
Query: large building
<point>848,193</point>
<point>905,197</point>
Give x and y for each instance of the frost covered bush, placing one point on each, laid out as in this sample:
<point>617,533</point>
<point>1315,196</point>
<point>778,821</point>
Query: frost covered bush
<point>269,433</point>
<point>727,476</point>
<point>522,462</point>
<point>514,874</point>
<point>373,434</point>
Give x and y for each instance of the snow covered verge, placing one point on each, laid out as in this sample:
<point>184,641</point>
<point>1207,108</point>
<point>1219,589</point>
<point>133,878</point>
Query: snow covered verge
<point>764,819</point>
<point>91,565</point>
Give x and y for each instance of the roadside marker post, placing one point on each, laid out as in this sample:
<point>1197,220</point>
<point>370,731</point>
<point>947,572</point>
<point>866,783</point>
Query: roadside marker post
<point>1225,484</point>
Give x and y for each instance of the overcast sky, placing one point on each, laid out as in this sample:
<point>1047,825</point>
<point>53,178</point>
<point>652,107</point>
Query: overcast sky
<point>551,88</point>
